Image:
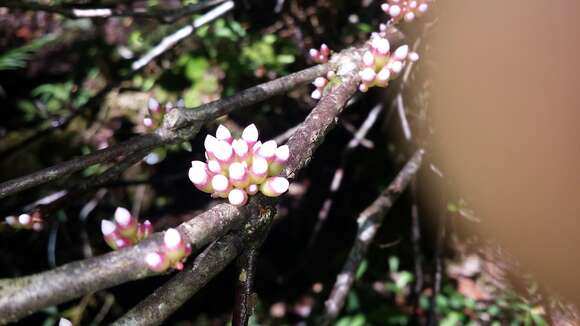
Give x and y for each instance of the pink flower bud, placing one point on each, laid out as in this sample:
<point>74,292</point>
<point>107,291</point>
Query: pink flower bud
<point>422,8</point>
<point>409,17</point>
<point>238,197</point>
<point>316,94</point>
<point>313,54</point>
<point>363,87</point>
<point>274,186</point>
<point>252,189</point>
<point>239,175</point>
<point>256,147</point>
<point>368,59</point>
<point>412,4</point>
<point>152,105</point>
<point>210,144</point>
<point>214,166</point>
<point>401,53</point>
<point>157,262</point>
<point>320,82</point>
<point>223,133</point>
<point>395,11</point>
<point>413,56</point>
<point>64,322</point>
<point>259,170</point>
<point>224,153</point>
<point>268,150</point>
<point>11,220</point>
<point>127,225</point>
<point>122,242</point>
<point>383,76</point>
<point>368,75</point>
<point>385,7</point>
<point>25,220</point>
<point>221,184</point>
<point>324,50</point>
<point>199,175</point>
<point>175,247</point>
<point>241,149</point>
<point>250,135</point>
<point>108,229</point>
<point>280,160</point>
<point>148,122</point>
<point>145,230</point>
<point>381,45</point>
<point>395,67</point>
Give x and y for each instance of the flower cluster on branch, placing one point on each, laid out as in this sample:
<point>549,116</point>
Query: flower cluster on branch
<point>405,9</point>
<point>25,222</point>
<point>238,168</point>
<point>125,230</point>
<point>320,55</point>
<point>173,253</point>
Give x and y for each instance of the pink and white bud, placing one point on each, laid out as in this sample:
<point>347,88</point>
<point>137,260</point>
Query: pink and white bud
<point>11,220</point>
<point>413,4</point>
<point>423,8</point>
<point>221,185</point>
<point>368,75</point>
<point>383,76</point>
<point>324,50</point>
<point>145,230</point>
<point>316,94</point>
<point>64,322</point>
<point>241,150</point>
<point>148,122</point>
<point>395,11</point>
<point>224,153</point>
<point>223,133</point>
<point>409,16</point>
<point>363,87</point>
<point>122,242</point>
<point>153,106</point>
<point>258,170</point>
<point>210,144</point>
<point>108,229</point>
<point>368,59</point>
<point>127,224</point>
<point>385,7</point>
<point>256,147</point>
<point>25,220</point>
<point>252,189</point>
<point>239,175</point>
<point>320,82</point>
<point>314,54</point>
<point>401,53</point>
<point>175,247</point>
<point>199,175</point>
<point>381,45</point>
<point>214,166</point>
<point>413,56</point>
<point>395,67</point>
<point>250,135</point>
<point>280,160</point>
<point>274,186</point>
<point>157,262</point>
<point>268,150</point>
<point>238,197</point>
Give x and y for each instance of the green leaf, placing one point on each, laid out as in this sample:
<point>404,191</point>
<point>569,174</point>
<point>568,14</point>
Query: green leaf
<point>362,268</point>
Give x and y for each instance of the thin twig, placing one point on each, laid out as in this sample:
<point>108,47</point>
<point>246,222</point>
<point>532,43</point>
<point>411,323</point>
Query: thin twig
<point>369,222</point>
<point>163,15</point>
<point>179,125</point>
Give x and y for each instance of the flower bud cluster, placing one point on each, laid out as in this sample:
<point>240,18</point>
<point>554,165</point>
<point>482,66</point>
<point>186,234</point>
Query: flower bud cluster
<point>125,230</point>
<point>25,221</point>
<point>172,254</point>
<point>380,65</point>
<point>320,83</point>
<point>405,9</point>
<point>321,55</point>
<point>155,113</point>
<point>238,168</point>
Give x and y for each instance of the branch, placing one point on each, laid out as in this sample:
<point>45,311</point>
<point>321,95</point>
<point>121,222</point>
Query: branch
<point>369,222</point>
<point>163,15</point>
<point>178,126</point>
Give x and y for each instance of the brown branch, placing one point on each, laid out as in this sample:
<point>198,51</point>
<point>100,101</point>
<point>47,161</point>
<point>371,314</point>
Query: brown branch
<point>163,15</point>
<point>244,305</point>
<point>178,125</point>
<point>369,222</point>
